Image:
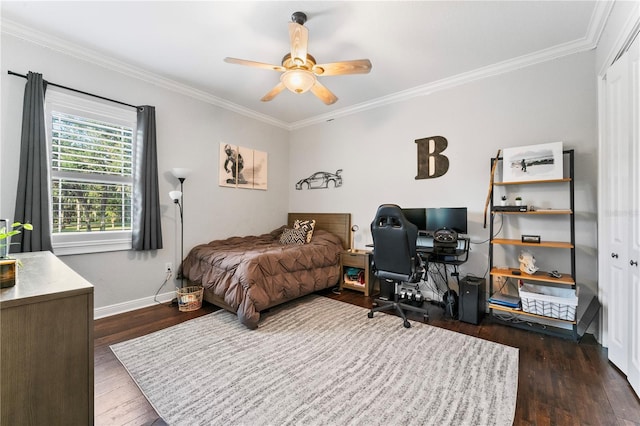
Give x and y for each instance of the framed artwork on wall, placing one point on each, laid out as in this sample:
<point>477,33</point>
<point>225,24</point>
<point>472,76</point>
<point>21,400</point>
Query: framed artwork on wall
<point>242,167</point>
<point>532,162</point>
<point>259,170</point>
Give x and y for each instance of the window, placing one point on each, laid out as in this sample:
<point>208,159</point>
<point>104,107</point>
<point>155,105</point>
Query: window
<point>91,147</point>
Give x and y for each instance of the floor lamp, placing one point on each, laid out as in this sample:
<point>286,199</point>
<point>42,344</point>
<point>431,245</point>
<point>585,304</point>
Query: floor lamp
<point>178,197</point>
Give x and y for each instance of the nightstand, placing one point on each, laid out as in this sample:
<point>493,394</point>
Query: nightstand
<point>359,259</point>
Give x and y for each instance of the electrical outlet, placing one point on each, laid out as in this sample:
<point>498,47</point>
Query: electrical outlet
<point>168,267</point>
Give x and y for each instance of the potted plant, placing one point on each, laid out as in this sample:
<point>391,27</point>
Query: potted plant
<point>518,200</point>
<point>7,264</point>
<point>503,200</point>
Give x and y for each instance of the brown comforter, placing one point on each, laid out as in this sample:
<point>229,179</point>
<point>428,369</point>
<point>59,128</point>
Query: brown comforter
<point>254,273</point>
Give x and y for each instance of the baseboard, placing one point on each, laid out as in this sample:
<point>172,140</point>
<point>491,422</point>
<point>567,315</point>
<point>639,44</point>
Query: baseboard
<point>132,305</point>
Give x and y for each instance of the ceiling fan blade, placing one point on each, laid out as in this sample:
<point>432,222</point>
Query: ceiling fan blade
<point>255,64</point>
<point>273,93</point>
<point>323,93</point>
<point>299,36</point>
<point>358,66</point>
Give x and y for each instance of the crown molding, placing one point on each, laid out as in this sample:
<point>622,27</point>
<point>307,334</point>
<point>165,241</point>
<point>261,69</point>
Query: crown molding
<point>626,34</point>
<point>596,26</point>
<point>598,20</point>
<point>456,80</point>
<point>589,41</point>
<point>59,45</point>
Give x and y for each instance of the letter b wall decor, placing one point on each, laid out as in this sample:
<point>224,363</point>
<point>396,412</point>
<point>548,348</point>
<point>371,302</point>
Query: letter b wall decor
<point>431,162</point>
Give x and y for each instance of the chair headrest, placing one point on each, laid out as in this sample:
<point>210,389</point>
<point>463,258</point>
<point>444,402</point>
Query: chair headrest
<point>390,215</point>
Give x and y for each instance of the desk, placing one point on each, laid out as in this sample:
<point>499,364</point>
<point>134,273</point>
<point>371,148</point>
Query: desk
<point>430,254</point>
<point>441,260</point>
<point>455,257</point>
<point>437,261</point>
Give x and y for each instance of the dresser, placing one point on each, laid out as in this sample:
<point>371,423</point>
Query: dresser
<point>46,345</point>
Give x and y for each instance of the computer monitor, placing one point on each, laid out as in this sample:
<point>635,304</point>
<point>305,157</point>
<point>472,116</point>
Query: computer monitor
<point>447,217</point>
<point>417,216</point>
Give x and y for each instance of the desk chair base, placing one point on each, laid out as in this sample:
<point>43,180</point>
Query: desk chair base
<point>399,307</point>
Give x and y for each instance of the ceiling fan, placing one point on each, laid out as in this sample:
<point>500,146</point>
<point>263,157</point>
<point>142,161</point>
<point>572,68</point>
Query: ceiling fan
<point>300,70</point>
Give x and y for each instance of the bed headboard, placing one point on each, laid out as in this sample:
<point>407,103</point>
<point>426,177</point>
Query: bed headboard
<point>336,223</point>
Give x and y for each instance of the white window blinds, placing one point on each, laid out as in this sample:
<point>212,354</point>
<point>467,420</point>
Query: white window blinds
<point>91,151</point>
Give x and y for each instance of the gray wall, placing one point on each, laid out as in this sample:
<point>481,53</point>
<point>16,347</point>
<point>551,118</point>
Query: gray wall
<point>553,101</point>
<point>549,102</point>
<point>189,134</point>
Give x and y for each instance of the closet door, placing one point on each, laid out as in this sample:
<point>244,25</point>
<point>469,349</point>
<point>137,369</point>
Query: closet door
<point>619,213</point>
<point>633,374</point>
<point>614,211</point>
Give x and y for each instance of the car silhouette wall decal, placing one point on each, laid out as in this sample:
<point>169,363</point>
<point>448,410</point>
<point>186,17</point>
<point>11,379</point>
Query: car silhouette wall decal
<point>321,180</point>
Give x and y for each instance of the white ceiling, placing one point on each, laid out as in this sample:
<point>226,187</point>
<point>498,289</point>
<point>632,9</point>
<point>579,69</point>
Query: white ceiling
<point>414,46</point>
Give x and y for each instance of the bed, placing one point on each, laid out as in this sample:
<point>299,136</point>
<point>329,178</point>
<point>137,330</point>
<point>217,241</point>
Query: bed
<point>247,275</point>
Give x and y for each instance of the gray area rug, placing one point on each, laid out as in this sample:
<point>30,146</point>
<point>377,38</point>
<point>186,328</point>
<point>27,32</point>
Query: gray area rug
<point>318,361</point>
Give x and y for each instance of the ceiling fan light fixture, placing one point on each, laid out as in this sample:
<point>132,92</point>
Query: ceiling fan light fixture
<point>299,69</point>
<point>298,80</point>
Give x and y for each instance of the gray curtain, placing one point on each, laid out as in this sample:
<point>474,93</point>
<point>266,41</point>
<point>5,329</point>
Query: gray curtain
<point>32,197</point>
<point>147,232</point>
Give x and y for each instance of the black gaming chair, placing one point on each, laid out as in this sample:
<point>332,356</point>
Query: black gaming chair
<point>395,260</point>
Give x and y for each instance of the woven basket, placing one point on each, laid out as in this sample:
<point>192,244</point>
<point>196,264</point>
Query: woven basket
<point>189,298</point>
<point>561,304</point>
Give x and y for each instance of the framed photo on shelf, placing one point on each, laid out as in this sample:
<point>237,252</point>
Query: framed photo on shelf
<point>532,162</point>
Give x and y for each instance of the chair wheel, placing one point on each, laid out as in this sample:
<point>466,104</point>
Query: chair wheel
<point>370,314</point>
<point>407,324</point>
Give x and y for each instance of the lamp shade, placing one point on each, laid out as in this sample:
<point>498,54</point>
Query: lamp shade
<point>180,172</point>
<point>298,80</point>
<point>354,229</point>
<point>175,195</point>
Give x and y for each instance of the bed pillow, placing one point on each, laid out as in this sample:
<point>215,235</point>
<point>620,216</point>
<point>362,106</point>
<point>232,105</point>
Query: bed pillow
<point>293,236</point>
<point>307,226</point>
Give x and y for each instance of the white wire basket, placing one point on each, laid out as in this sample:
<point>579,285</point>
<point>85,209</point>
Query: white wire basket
<point>553,302</point>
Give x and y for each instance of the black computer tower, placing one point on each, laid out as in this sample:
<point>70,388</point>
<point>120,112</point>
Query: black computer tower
<point>472,304</point>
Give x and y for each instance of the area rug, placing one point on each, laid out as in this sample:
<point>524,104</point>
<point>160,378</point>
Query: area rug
<point>318,361</point>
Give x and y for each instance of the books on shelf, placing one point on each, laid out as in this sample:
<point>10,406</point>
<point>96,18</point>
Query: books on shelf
<point>505,300</point>
<point>350,281</point>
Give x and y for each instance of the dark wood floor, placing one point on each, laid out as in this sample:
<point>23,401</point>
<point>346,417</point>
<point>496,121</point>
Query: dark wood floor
<point>560,382</point>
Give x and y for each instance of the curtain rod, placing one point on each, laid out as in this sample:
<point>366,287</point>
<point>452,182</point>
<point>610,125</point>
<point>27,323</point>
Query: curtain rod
<point>78,91</point>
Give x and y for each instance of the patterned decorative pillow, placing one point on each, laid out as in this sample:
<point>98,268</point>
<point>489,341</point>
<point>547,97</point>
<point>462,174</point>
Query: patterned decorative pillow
<point>306,225</point>
<point>293,236</point>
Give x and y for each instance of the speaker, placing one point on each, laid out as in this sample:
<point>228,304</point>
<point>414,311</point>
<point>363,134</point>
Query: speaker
<point>471,299</point>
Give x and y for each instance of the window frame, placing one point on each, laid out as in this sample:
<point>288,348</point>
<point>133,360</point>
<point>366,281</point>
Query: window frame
<point>87,242</point>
